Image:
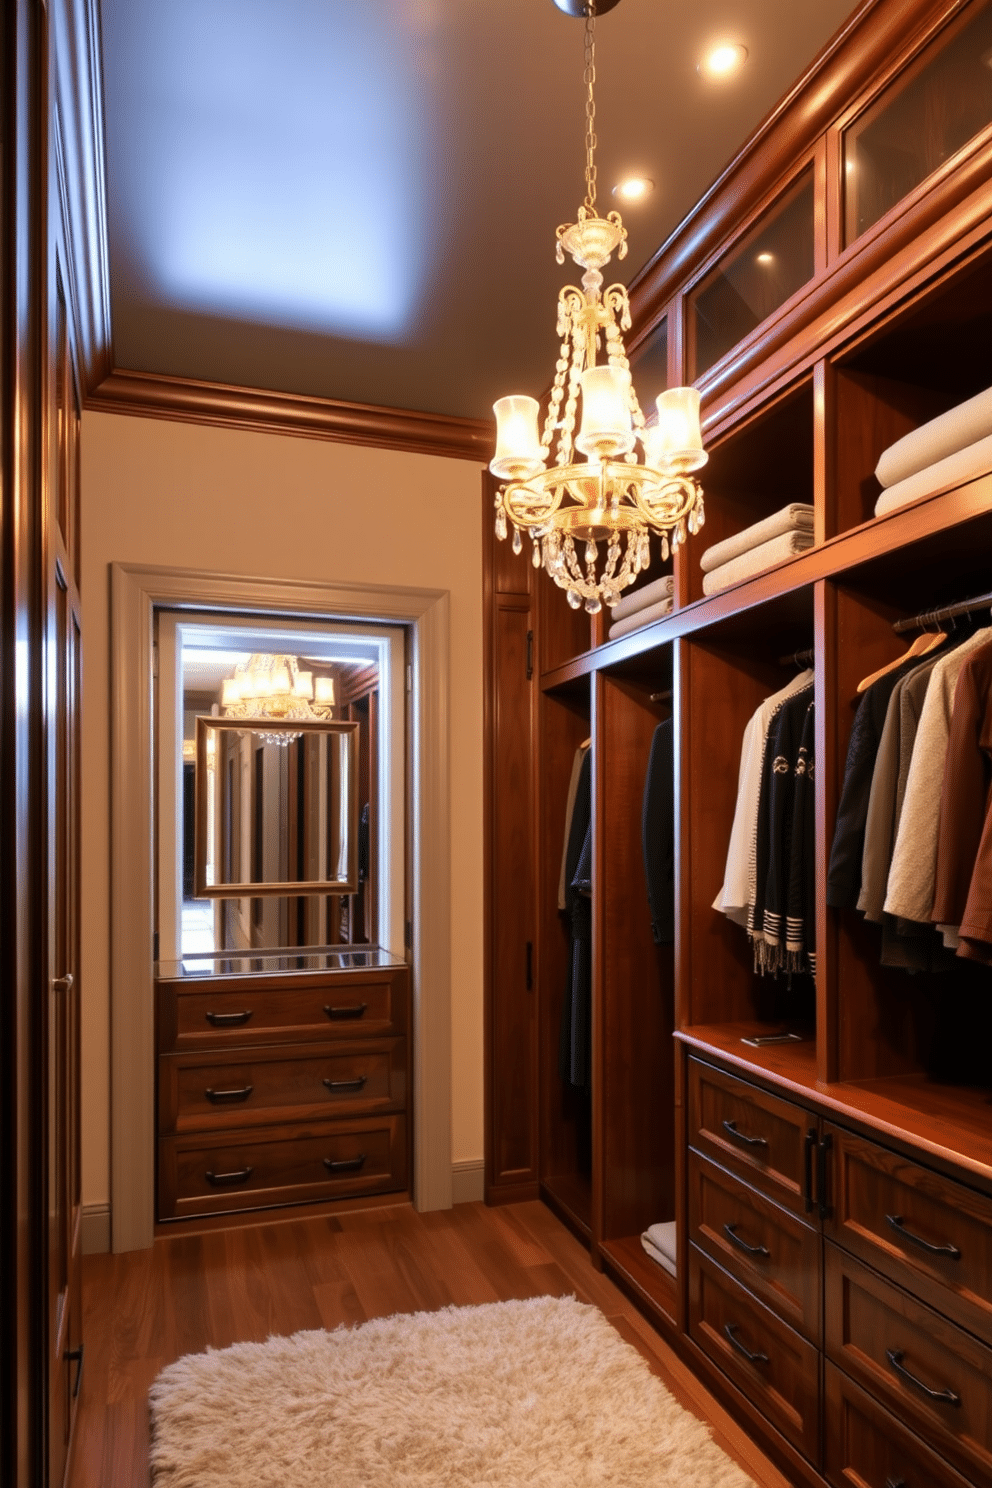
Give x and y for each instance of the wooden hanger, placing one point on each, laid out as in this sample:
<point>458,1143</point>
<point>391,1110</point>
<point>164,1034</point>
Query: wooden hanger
<point>922,646</point>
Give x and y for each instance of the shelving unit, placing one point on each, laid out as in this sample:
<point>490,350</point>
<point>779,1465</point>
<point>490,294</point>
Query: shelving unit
<point>893,327</point>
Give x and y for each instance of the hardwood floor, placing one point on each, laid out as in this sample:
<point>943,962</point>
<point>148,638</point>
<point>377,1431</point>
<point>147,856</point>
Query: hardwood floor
<point>146,1308</point>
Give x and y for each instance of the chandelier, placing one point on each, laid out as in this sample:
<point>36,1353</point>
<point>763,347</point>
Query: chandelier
<point>606,506</point>
<point>274,687</point>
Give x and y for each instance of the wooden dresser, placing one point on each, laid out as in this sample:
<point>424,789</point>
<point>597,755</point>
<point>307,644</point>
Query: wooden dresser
<point>281,1080</point>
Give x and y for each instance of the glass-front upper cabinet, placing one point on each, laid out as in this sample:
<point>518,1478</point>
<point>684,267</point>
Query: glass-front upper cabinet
<point>929,112</point>
<point>757,276</point>
<point>650,365</point>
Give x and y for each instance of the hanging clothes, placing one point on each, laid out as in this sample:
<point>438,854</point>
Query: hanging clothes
<point>736,896</point>
<point>800,923</point>
<point>658,832</point>
<point>575,1030</point>
<point>773,848</point>
<point>964,871</point>
<point>573,785</point>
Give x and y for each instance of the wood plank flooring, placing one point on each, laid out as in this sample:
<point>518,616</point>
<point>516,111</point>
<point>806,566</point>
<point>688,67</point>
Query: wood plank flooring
<point>147,1308</point>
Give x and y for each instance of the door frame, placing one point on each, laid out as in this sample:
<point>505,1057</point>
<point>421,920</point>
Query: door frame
<point>135,592</point>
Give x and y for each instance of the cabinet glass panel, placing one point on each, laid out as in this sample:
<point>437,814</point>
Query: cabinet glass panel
<point>649,364</point>
<point>932,109</point>
<point>759,274</point>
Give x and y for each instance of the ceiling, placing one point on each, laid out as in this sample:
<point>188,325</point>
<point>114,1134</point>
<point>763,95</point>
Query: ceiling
<point>357,199</point>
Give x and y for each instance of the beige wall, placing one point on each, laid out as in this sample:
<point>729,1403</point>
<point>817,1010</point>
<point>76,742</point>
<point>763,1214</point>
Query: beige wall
<point>183,496</point>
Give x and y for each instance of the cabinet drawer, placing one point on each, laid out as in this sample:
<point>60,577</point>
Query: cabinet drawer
<point>283,1165</point>
<point>200,1016</point>
<point>936,1378</point>
<point>765,1247</point>
<point>759,1136</point>
<point>864,1445</point>
<point>207,1092</point>
<point>782,1376</point>
<point>927,1232</point>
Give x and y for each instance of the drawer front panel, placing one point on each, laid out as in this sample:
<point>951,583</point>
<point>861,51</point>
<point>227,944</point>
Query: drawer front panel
<point>930,1234</point>
<point>782,1375</point>
<point>864,1445</point>
<point>288,1165</point>
<point>772,1252</point>
<point>202,1017</point>
<point>207,1093</point>
<point>757,1135</point>
<point>934,1377</point>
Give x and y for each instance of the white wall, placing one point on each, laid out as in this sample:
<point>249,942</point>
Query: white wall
<point>269,506</point>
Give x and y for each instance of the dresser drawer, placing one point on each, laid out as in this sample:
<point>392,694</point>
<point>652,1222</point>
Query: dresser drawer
<point>199,1016</point>
<point>283,1165</point>
<point>772,1252</point>
<point>781,1376</point>
<point>936,1378</point>
<point>207,1092</point>
<point>866,1447</point>
<point>927,1232</point>
<point>759,1136</point>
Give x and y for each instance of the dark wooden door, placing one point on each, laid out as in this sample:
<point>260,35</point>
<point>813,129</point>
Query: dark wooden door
<point>62,1022</point>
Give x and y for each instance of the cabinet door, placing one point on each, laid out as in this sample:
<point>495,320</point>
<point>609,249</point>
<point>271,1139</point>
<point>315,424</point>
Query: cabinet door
<point>513,1022</point>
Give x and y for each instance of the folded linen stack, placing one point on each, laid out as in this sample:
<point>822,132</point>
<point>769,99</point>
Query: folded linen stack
<point>947,451</point>
<point>659,1243</point>
<point>643,606</point>
<point>766,543</point>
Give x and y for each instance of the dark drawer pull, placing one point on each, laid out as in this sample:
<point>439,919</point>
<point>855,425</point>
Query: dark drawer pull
<point>345,1164</point>
<point>346,1084</point>
<point>739,1136</point>
<point>219,1096</point>
<point>730,1230</point>
<point>339,1014</point>
<point>219,1180</point>
<point>943,1397</point>
<point>895,1483</point>
<point>808,1146</point>
<point>229,1020</point>
<point>731,1330</point>
<point>898,1224</point>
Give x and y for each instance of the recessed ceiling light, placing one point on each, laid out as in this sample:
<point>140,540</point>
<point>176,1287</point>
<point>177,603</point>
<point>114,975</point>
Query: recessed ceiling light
<point>766,258</point>
<point>720,61</point>
<point>634,188</point>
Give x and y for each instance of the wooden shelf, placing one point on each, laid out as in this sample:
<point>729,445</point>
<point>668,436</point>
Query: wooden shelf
<point>649,1281</point>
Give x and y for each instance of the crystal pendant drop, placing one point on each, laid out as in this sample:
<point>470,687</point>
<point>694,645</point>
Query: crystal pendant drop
<point>593,606</point>
<point>592,553</point>
<point>536,555</point>
<point>501,525</point>
<point>517,540</point>
<point>575,600</point>
<point>664,547</point>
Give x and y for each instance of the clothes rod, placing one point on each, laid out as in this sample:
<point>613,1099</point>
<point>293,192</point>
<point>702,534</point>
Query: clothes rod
<point>798,658</point>
<point>947,612</point>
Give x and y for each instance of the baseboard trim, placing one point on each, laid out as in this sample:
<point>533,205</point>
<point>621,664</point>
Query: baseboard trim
<point>468,1181</point>
<point>95,1232</point>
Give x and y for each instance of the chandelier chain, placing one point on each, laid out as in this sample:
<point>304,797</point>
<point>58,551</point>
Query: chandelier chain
<point>589,78</point>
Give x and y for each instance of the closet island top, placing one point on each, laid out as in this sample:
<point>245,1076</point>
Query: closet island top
<point>277,963</point>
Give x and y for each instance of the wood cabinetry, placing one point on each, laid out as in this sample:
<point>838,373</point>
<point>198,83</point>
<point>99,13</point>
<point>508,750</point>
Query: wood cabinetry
<point>281,1084</point>
<point>830,1191</point>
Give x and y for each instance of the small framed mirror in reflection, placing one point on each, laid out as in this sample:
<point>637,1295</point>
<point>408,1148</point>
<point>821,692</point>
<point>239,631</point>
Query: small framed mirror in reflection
<point>276,805</point>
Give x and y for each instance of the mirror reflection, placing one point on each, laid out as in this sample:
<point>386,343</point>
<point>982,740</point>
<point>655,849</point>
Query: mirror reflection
<point>276,807</point>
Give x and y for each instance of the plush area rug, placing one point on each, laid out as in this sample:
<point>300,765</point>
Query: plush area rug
<point>535,1394</point>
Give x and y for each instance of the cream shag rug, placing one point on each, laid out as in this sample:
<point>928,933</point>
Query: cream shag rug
<point>536,1394</point>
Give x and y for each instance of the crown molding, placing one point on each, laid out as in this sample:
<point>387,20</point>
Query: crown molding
<point>186,400</point>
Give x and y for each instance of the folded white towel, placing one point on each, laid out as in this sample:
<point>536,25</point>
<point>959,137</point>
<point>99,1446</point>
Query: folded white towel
<point>757,560</point>
<point>639,618</point>
<point>964,425</point>
<point>662,1236</point>
<point>953,470</point>
<point>795,518</point>
<point>642,599</point>
<point>656,1255</point>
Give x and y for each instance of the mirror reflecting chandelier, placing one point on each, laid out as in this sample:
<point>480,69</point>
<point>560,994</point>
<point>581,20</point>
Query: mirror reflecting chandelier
<point>275,687</point>
<point>590,520</point>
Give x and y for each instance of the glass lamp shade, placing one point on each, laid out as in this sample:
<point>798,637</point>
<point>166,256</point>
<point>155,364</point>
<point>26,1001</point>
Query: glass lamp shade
<point>518,447</point>
<point>303,685</point>
<point>280,679</point>
<point>606,427</point>
<point>230,691</point>
<point>324,691</point>
<point>677,443</point>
